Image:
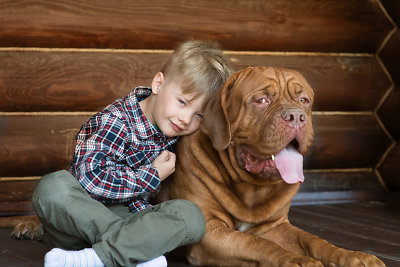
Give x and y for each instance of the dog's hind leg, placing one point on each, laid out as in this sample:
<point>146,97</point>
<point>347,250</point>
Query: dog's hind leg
<point>25,227</point>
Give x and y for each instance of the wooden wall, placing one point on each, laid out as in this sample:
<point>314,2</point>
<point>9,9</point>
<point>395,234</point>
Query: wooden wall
<point>61,61</point>
<point>389,109</point>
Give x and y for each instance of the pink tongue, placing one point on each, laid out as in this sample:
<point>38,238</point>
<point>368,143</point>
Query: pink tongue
<point>289,163</point>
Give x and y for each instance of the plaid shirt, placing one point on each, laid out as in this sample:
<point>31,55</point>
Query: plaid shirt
<point>115,150</point>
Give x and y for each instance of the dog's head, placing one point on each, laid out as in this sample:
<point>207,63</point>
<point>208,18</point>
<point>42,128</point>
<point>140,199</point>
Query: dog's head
<point>264,114</point>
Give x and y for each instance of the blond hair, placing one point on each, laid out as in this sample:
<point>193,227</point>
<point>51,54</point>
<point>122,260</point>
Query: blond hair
<point>199,66</point>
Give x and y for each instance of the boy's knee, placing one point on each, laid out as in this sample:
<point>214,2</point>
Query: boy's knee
<point>194,219</point>
<point>51,189</point>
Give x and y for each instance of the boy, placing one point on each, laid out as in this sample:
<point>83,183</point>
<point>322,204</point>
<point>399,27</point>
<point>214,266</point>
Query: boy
<point>122,155</point>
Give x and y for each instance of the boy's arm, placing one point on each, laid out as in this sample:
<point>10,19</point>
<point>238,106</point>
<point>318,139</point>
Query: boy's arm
<point>100,171</point>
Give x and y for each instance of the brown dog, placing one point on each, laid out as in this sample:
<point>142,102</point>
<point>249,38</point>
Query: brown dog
<point>244,167</point>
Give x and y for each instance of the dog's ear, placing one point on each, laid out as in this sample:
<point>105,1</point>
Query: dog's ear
<point>215,123</point>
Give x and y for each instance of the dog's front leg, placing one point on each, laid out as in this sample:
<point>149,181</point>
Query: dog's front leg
<point>224,246</point>
<point>302,242</point>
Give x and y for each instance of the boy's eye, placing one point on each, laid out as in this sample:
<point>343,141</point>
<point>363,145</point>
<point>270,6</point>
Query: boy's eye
<point>181,102</point>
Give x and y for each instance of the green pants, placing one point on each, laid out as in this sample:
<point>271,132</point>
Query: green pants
<point>73,220</point>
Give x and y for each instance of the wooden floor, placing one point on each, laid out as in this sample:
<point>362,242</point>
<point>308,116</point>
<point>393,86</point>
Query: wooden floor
<point>369,227</point>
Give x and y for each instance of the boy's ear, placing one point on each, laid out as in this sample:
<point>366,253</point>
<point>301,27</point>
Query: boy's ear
<point>157,82</point>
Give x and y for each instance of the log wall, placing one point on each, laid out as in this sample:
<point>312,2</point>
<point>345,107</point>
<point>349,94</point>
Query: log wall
<point>61,61</point>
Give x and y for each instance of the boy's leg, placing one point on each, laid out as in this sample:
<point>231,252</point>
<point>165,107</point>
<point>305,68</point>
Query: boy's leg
<point>153,232</point>
<point>73,220</point>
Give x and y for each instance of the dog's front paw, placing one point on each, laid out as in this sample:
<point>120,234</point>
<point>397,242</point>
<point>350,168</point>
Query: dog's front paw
<point>357,259</point>
<point>301,261</point>
<point>28,229</point>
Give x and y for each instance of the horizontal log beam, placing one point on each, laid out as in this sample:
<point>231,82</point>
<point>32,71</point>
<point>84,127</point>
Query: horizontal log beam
<point>286,25</point>
<point>45,143</point>
<point>88,80</point>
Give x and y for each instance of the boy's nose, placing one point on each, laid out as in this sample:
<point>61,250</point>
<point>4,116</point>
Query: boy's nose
<point>185,118</point>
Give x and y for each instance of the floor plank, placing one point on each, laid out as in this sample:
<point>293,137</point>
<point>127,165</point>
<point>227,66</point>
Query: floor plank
<point>373,228</point>
<point>15,252</point>
<point>370,227</point>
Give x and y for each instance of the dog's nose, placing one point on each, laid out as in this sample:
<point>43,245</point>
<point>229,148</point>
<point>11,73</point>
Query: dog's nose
<point>294,118</point>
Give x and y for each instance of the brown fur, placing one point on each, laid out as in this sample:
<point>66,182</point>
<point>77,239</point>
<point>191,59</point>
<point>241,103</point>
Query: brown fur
<point>247,211</point>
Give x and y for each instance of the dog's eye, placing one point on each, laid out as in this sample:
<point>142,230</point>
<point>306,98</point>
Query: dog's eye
<point>304,101</point>
<point>261,102</point>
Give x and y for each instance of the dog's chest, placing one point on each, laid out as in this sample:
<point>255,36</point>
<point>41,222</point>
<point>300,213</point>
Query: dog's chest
<point>252,195</point>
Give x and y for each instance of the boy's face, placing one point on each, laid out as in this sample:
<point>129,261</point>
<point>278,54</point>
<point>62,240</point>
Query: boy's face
<point>174,112</point>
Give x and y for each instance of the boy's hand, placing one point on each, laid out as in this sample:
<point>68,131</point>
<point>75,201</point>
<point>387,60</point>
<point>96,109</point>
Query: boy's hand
<point>165,164</point>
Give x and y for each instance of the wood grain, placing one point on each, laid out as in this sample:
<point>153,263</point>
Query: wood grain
<point>340,83</point>
<point>71,81</point>
<point>16,190</point>
<point>389,112</point>
<point>390,56</point>
<point>390,169</point>
<point>393,9</point>
<point>353,228</point>
<point>16,208</point>
<point>286,25</point>
<point>348,78</point>
<point>345,186</point>
<point>340,180</point>
<point>88,81</point>
<point>374,232</point>
<point>335,223</point>
<point>346,141</point>
<point>36,145</point>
